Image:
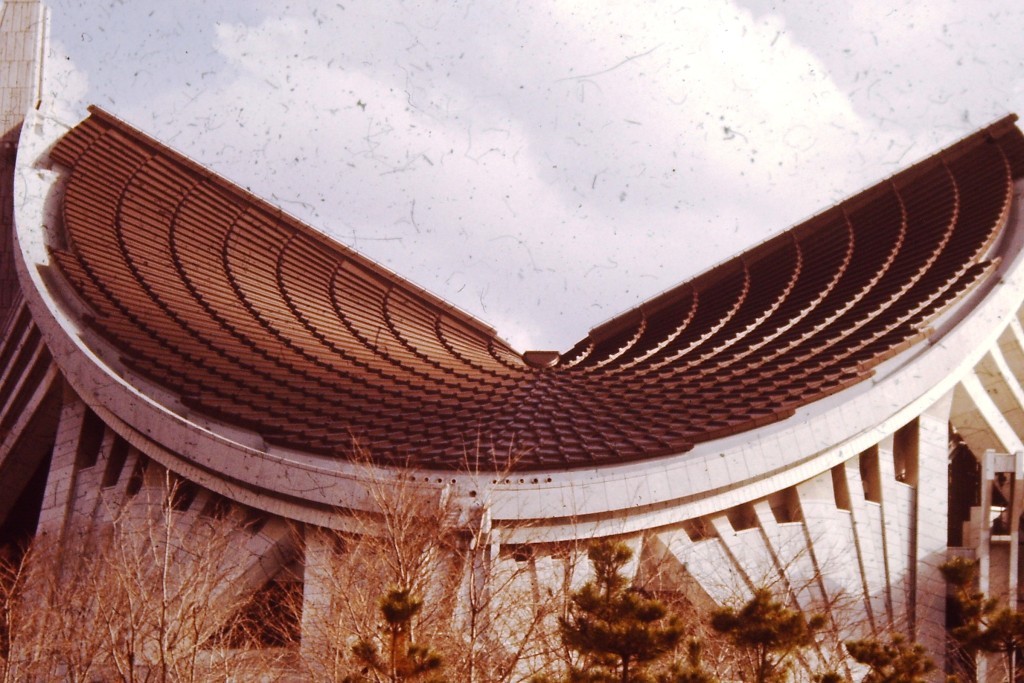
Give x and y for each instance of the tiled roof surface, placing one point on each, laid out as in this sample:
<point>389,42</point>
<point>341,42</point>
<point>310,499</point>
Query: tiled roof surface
<point>256,319</point>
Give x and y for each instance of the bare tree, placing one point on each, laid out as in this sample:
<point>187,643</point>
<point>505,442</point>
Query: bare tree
<point>483,610</point>
<point>49,617</point>
<point>402,544</point>
<point>172,577</point>
<point>146,596</point>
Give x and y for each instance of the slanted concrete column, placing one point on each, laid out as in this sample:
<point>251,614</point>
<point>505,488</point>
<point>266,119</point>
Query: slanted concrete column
<point>60,483</point>
<point>930,448</point>
<point>316,592</point>
<point>896,500</point>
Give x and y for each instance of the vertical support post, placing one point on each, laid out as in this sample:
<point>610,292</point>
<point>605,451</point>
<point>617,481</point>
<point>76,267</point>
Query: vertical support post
<point>316,592</point>
<point>928,448</point>
<point>1016,508</point>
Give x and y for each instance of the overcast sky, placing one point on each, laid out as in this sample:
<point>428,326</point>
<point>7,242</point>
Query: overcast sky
<point>545,165</point>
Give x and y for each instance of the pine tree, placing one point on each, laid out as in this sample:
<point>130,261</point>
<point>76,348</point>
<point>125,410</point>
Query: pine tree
<point>894,661</point>
<point>615,627</point>
<point>985,626</point>
<point>972,605</point>
<point>828,677</point>
<point>693,671</point>
<point>769,631</point>
<point>1005,635</point>
<point>405,660</point>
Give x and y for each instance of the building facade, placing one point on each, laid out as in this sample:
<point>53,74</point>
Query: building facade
<point>815,411</point>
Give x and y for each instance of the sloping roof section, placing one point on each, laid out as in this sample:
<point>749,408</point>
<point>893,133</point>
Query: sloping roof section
<point>256,319</point>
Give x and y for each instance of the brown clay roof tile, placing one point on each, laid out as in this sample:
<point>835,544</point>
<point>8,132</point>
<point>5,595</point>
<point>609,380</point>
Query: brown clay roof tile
<point>255,319</point>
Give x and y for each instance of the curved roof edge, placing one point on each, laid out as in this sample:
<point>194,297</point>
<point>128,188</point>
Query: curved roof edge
<point>714,475</point>
<point>245,315</point>
<point>255,200</point>
<point>999,128</point>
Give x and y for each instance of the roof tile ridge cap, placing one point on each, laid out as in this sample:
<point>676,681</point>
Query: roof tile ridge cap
<point>496,355</point>
<point>778,300</point>
<point>711,332</point>
<point>943,156</point>
<point>783,295</point>
<point>283,215</point>
<point>389,321</point>
<point>682,324</point>
<point>444,341</point>
<point>873,281</point>
<point>580,357</point>
<point>638,333</point>
<point>813,304</point>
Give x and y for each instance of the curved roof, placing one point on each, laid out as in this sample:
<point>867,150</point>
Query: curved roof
<point>254,318</point>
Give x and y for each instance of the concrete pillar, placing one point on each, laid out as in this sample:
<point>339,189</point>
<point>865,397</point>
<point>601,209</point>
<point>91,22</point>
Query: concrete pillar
<point>930,531</point>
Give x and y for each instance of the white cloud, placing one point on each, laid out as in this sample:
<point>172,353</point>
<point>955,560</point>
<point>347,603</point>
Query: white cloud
<point>543,168</point>
<point>65,85</point>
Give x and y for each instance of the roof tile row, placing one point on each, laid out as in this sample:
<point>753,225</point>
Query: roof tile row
<point>254,319</point>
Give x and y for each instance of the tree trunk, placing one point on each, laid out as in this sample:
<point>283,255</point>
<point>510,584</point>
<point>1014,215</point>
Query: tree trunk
<point>393,655</point>
<point>762,665</point>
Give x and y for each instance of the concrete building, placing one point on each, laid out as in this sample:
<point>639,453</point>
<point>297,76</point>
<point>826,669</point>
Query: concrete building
<point>815,408</point>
